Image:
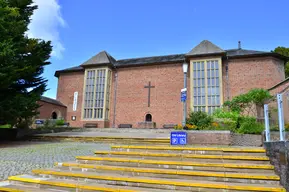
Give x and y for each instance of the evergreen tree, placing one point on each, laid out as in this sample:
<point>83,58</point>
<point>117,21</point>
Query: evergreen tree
<point>22,62</point>
<point>284,51</point>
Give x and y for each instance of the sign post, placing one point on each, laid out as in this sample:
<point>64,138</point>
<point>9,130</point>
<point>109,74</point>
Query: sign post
<point>179,138</point>
<point>267,126</point>
<point>183,95</point>
<point>184,99</point>
<point>281,116</point>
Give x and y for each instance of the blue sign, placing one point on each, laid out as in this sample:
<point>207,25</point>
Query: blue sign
<point>183,96</point>
<point>178,138</point>
<point>39,122</point>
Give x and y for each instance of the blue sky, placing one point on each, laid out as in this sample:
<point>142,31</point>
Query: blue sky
<point>130,28</point>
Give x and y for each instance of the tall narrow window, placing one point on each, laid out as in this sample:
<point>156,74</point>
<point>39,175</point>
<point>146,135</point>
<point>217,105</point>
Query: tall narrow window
<point>206,85</point>
<point>213,85</point>
<point>95,96</point>
<point>89,94</point>
<point>199,86</point>
<point>107,94</point>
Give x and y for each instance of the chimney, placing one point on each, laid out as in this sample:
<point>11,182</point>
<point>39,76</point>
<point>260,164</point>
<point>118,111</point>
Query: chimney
<point>239,45</point>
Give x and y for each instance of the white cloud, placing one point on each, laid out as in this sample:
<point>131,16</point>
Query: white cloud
<point>45,24</point>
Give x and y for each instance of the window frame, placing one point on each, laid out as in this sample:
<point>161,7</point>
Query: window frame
<point>206,82</point>
<point>105,107</point>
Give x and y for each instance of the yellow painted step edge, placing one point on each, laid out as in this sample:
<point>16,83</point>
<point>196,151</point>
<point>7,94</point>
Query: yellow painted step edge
<point>68,185</point>
<point>162,182</point>
<point>253,158</point>
<point>4,189</point>
<point>97,137</point>
<point>172,172</point>
<point>224,149</point>
<point>181,163</point>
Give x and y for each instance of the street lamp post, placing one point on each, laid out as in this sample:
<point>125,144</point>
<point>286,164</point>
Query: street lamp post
<point>185,70</point>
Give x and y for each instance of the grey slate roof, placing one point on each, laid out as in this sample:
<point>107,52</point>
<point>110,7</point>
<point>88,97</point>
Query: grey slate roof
<point>101,58</point>
<point>151,60</point>
<point>52,101</point>
<point>240,52</point>
<point>205,48</point>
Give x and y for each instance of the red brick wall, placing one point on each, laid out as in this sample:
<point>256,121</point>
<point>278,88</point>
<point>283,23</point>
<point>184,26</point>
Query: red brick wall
<point>246,74</point>
<point>68,83</point>
<point>132,97</point>
<point>46,110</point>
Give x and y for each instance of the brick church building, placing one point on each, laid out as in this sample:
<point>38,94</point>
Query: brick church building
<point>109,92</point>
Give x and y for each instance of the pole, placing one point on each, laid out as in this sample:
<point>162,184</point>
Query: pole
<point>280,116</point>
<point>267,126</point>
<point>185,102</point>
<point>114,102</point>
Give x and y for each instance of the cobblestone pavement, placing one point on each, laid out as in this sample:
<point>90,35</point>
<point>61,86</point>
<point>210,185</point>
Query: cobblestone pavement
<point>22,157</point>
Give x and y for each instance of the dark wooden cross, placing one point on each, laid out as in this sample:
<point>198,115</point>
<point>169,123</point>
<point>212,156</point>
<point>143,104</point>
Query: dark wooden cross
<point>149,95</point>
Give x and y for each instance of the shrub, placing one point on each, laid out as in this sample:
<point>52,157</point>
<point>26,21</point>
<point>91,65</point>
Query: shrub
<point>243,102</point>
<point>60,122</point>
<point>287,127</point>
<point>226,124</point>
<point>225,114</point>
<point>190,127</point>
<point>244,119</point>
<point>251,127</point>
<point>178,127</point>
<point>276,127</point>
<point>200,119</point>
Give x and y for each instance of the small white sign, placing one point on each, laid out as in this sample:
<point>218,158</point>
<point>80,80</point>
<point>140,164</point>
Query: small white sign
<point>184,90</point>
<point>75,101</point>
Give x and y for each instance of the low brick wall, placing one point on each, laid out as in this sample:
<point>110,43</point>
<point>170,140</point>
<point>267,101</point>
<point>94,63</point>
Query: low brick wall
<point>279,156</point>
<point>21,133</point>
<point>246,140</point>
<point>223,138</point>
<point>209,137</point>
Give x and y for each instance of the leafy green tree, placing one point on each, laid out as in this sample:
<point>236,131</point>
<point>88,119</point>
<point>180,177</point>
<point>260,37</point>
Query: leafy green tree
<point>22,62</point>
<point>284,51</point>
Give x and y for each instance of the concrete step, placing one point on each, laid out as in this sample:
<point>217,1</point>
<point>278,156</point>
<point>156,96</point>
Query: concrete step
<point>64,185</point>
<point>242,151</point>
<point>187,157</point>
<point>173,173</point>
<point>157,183</point>
<point>7,186</point>
<point>109,139</point>
<point>180,165</point>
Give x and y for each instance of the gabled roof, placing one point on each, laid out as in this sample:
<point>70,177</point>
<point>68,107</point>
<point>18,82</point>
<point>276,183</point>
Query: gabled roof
<point>205,48</point>
<point>52,101</point>
<point>100,59</point>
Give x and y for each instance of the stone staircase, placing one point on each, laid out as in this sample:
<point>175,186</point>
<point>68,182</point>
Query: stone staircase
<point>140,168</point>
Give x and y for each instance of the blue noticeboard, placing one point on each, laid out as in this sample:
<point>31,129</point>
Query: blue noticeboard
<point>183,96</point>
<point>39,122</point>
<point>178,138</point>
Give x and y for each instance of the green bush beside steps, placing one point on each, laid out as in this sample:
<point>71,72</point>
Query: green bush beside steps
<point>222,119</point>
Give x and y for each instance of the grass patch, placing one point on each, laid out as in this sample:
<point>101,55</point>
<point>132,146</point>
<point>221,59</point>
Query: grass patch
<point>7,126</point>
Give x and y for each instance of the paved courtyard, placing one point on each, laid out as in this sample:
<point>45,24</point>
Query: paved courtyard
<point>21,157</point>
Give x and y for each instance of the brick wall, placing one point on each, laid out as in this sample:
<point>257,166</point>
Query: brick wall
<point>166,108</point>
<point>246,74</point>
<point>68,83</point>
<point>46,110</point>
<point>132,97</point>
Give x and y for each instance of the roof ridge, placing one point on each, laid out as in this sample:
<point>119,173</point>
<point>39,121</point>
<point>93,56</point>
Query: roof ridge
<point>151,56</point>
